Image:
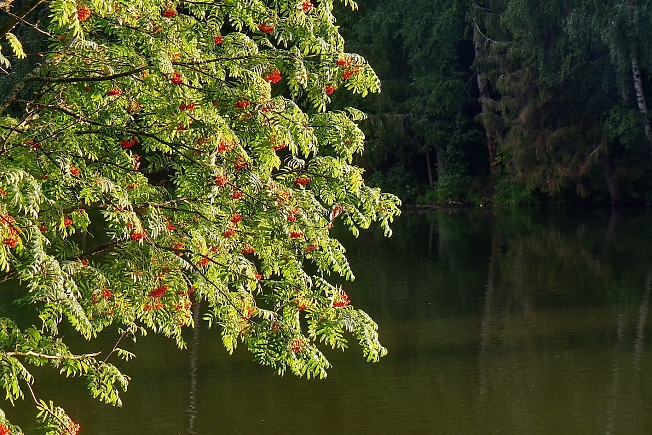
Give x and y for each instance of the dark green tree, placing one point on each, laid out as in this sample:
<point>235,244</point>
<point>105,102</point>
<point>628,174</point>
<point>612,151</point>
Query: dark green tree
<point>421,129</point>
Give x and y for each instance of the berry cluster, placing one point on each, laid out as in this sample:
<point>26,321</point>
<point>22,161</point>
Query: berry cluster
<point>266,28</point>
<point>306,6</point>
<point>128,143</point>
<point>342,301</point>
<point>158,292</point>
<point>177,78</point>
<point>242,104</point>
<point>115,91</point>
<point>221,180</point>
<point>138,235</point>
<point>274,77</point>
<point>170,11</point>
<point>224,146</point>
<point>302,180</point>
<point>12,242</point>
<point>240,163</point>
<point>83,13</point>
<point>296,345</point>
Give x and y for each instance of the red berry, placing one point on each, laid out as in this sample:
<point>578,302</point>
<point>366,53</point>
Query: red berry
<point>177,78</point>
<point>346,74</point>
<point>224,146</point>
<point>114,91</point>
<point>128,143</point>
<point>189,106</point>
<point>170,11</point>
<point>240,163</point>
<point>204,261</point>
<point>345,62</point>
<point>158,292</point>
<point>242,104</point>
<point>343,301</point>
<point>219,39</point>
<point>303,180</point>
<point>266,28</point>
<point>296,234</point>
<point>296,345</point>
<point>138,235</point>
<point>83,13</point>
<point>236,218</point>
<point>274,77</point>
<point>12,242</point>
<point>221,180</point>
<point>306,6</point>
<point>330,89</point>
<point>279,146</point>
<point>67,222</point>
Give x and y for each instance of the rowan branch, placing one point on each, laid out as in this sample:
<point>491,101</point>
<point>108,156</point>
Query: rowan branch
<point>52,357</point>
<point>86,79</point>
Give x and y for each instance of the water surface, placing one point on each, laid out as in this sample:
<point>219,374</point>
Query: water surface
<point>496,323</point>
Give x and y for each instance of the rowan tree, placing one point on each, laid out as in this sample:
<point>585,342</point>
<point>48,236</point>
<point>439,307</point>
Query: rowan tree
<point>191,142</point>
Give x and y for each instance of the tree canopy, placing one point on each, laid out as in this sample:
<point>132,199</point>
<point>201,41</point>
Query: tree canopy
<point>560,89</point>
<point>156,155</point>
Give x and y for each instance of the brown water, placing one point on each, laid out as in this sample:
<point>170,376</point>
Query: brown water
<point>512,323</point>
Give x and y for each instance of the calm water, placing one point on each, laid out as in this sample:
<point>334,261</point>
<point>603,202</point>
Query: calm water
<point>505,323</point>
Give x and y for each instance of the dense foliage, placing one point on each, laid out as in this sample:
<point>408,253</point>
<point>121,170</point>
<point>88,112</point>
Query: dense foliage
<point>155,155</point>
<point>550,98</point>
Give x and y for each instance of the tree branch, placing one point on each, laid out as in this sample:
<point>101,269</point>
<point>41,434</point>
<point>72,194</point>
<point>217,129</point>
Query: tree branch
<point>52,357</point>
<point>86,79</point>
<point>18,16</point>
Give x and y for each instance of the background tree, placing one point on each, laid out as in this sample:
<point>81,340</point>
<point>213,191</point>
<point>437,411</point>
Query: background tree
<point>422,136</point>
<point>191,142</point>
<point>518,99</point>
<point>573,125</point>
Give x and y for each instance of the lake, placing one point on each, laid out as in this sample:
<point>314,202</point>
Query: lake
<point>496,322</point>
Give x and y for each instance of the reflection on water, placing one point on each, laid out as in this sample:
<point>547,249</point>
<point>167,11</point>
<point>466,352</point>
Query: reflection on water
<point>495,324</point>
